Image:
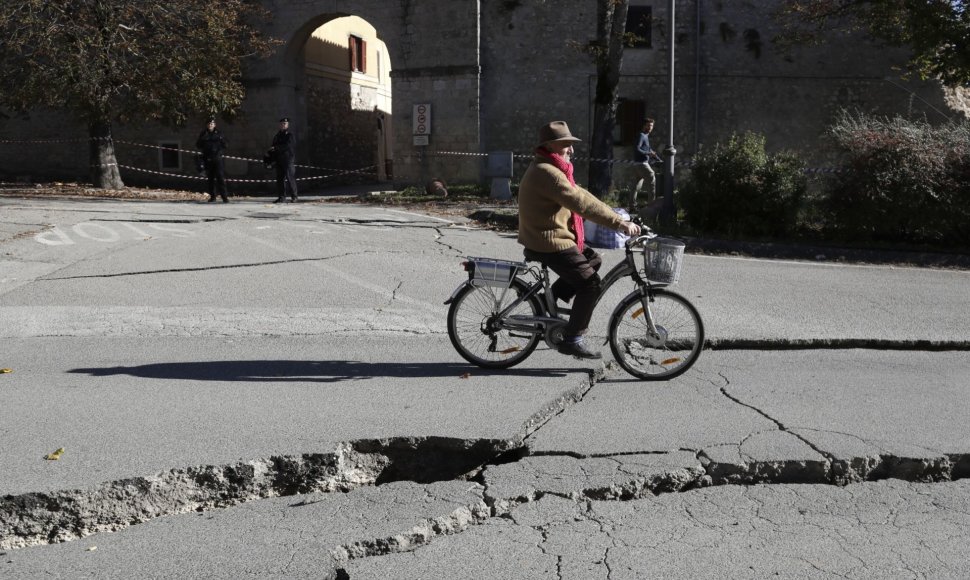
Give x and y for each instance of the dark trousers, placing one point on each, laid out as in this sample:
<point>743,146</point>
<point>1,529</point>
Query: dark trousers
<point>215,171</point>
<point>286,179</point>
<point>578,280</point>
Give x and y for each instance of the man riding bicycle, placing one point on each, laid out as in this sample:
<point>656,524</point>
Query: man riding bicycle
<point>551,212</point>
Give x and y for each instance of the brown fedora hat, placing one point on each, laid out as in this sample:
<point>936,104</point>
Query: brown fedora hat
<point>555,131</point>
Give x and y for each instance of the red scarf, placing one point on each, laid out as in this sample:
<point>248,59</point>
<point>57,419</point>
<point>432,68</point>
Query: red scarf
<point>575,220</point>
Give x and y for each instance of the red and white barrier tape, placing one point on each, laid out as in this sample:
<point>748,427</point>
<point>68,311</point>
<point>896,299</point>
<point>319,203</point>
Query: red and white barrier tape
<point>233,179</point>
<point>339,172</point>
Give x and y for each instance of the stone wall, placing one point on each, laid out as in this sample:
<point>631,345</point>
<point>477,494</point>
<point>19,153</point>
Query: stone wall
<point>494,70</point>
<point>344,134</point>
<point>729,77</point>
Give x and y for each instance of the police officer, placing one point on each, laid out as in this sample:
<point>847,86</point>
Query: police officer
<point>212,144</point>
<point>284,153</point>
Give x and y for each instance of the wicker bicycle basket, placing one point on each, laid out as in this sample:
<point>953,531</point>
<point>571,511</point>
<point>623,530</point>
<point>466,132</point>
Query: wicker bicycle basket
<point>662,259</point>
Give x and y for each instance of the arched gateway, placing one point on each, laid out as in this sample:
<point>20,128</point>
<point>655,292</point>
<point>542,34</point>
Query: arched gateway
<point>434,53</point>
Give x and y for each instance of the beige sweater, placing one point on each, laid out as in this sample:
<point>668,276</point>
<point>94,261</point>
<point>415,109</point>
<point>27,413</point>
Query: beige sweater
<point>546,199</point>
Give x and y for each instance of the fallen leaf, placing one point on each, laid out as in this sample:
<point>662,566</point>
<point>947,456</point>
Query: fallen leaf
<point>92,548</point>
<point>5,371</point>
<point>55,455</point>
<point>466,376</point>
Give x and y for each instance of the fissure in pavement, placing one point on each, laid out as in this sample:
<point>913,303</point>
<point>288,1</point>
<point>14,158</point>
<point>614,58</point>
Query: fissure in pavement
<point>58,516</point>
<point>837,344</point>
<point>208,268</point>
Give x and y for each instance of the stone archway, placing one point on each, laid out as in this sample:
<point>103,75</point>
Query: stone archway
<point>348,98</point>
<point>422,73</point>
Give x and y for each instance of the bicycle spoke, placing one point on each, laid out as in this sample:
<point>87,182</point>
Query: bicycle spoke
<point>668,352</point>
<point>475,333</point>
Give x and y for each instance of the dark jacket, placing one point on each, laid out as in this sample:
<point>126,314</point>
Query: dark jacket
<point>284,145</point>
<point>212,144</point>
<point>644,152</point>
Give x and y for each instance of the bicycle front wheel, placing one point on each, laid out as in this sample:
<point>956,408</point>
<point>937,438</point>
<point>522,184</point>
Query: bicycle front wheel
<point>473,327</point>
<point>663,354</point>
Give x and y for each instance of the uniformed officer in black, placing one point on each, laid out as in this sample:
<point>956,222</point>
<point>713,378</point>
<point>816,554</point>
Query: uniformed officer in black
<point>284,152</point>
<point>212,144</point>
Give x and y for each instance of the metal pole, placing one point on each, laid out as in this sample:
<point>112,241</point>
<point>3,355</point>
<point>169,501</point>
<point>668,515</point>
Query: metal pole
<point>668,214</point>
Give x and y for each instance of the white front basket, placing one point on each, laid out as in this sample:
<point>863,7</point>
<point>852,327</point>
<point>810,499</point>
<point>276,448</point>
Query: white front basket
<point>662,260</point>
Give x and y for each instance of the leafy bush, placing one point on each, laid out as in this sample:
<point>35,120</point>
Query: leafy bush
<point>901,180</point>
<point>739,189</point>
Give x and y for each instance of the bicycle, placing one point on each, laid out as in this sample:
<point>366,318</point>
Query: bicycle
<point>496,318</point>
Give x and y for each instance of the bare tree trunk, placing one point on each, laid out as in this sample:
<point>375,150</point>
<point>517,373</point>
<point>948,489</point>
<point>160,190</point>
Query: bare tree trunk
<point>610,28</point>
<point>104,164</point>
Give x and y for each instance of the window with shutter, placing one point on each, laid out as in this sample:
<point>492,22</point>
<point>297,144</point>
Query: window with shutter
<point>358,54</point>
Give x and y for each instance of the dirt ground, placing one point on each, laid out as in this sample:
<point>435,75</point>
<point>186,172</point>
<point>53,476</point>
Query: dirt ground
<point>56,189</point>
<point>444,207</point>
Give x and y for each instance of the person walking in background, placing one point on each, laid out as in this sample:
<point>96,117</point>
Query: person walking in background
<point>284,153</point>
<point>644,155</point>
<point>211,143</point>
<point>551,212</point>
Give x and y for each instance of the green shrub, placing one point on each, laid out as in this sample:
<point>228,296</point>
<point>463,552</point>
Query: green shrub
<point>739,189</point>
<point>901,180</point>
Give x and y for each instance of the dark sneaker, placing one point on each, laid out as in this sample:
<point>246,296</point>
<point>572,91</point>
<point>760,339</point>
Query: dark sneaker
<point>279,200</point>
<point>578,350</point>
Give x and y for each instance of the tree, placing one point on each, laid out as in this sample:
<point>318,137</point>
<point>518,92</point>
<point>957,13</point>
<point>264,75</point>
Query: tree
<point>607,53</point>
<point>937,31</point>
<point>118,61</point>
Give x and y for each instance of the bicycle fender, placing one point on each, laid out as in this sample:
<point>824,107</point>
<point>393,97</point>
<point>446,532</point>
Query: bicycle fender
<point>616,310</point>
<point>455,293</point>
<point>621,302</point>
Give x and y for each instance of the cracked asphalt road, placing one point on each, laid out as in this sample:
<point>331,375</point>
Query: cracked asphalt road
<point>230,367</point>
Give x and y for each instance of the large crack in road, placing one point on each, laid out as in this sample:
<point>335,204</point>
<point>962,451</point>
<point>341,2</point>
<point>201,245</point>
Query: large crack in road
<point>505,474</point>
<point>837,344</point>
<point>208,268</point>
<point>508,477</point>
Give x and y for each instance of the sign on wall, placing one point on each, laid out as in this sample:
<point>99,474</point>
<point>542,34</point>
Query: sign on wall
<point>421,123</point>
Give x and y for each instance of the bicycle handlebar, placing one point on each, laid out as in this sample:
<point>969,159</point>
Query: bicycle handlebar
<point>646,234</point>
<point>641,239</point>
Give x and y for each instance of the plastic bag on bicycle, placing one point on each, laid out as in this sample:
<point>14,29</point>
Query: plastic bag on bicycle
<point>600,237</point>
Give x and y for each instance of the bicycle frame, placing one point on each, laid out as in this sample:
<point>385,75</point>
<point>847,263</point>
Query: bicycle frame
<point>543,324</point>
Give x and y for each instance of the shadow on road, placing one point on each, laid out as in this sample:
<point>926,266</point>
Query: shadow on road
<point>307,371</point>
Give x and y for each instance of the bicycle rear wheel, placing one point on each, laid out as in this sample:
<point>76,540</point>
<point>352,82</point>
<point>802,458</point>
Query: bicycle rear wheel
<point>666,354</point>
<point>473,331</point>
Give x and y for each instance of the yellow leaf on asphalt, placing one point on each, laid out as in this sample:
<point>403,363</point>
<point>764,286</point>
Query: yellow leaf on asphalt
<point>670,361</point>
<point>92,548</point>
<point>55,455</point>
<point>5,371</point>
